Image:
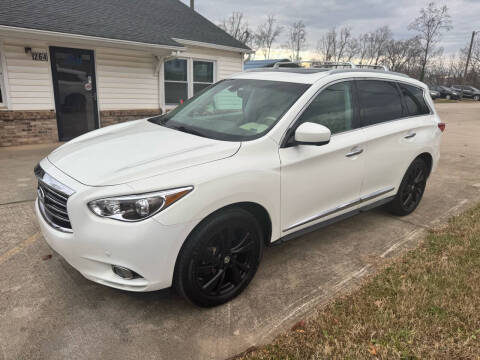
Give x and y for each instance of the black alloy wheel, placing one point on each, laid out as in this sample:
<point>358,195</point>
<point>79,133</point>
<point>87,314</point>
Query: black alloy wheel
<point>411,189</point>
<point>220,258</point>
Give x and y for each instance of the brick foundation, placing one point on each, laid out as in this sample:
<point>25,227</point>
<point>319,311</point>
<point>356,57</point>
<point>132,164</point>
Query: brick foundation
<point>27,127</point>
<point>110,117</point>
<point>40,127</point>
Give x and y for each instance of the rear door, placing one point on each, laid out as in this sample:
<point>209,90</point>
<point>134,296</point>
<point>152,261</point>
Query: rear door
<point>397,122</point>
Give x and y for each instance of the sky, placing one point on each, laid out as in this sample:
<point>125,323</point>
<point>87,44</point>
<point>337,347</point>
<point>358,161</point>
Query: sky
<point>361,15</point>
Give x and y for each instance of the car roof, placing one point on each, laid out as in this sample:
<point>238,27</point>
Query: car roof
<point>312,75</point>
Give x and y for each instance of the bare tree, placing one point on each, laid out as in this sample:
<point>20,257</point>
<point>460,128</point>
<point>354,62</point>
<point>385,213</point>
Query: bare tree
<point>266,34</point>
<point>337,46</point>
<point>297,39</point>
<point>236,26</point>
<point>430,25</point>
<point>400,53</point>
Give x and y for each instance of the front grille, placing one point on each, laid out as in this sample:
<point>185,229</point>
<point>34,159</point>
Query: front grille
<point>52,201</point>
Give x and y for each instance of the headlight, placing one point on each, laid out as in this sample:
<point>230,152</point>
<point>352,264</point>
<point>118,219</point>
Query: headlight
<point>137,207</point>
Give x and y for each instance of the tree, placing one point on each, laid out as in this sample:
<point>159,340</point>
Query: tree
<point>430,25</point>
<point>401,55</point>
<point>297,39</point>
<point>338,46</point>
<point>236,26</point>
<point>266,34</point>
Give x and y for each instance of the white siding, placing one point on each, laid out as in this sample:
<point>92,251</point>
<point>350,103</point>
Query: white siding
<point>227,62</point>
<point>126,79</point>
<point>29,82</point>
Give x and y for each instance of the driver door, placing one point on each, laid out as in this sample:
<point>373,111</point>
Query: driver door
<point>321,182</point>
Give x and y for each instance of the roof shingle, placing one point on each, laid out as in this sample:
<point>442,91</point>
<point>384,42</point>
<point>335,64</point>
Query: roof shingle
<point>144,21</point>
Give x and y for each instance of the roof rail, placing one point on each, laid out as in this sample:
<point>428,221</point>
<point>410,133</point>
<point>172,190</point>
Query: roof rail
<point>374,67</point>
<point>334,64</point>
<point>277,64</point>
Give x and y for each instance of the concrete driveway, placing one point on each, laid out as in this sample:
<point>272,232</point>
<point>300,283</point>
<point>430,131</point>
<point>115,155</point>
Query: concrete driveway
<point>49,311</point>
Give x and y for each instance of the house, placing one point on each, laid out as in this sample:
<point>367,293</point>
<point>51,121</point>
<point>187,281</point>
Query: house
<point>71,66</point>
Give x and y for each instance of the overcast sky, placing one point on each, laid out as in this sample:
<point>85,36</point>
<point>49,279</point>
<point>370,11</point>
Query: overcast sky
<point>361,15</point>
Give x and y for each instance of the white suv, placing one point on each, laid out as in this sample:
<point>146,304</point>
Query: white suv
<point>190,198</point>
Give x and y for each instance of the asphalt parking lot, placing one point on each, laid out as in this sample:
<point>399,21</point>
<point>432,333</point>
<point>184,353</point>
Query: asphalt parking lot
<point>49,311</point>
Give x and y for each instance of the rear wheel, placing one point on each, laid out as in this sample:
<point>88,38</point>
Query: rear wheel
<point>476,98</point>
<point>411,189</point>
<point>448,97</point>
<point>219,258</point>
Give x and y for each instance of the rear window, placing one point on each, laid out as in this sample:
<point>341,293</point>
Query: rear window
<point>380,101</point>
<point>414,100</point>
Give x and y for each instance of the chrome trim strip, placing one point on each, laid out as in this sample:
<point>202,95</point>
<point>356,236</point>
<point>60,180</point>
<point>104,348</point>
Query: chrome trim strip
<point>49,222</point>
<point>341,207</point>
<point>56,185</point>
<point>376,194</point>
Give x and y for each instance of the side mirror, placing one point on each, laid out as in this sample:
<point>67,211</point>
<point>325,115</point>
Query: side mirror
<point>312,134</point>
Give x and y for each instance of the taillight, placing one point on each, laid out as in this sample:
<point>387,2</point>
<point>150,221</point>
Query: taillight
<point>441,126</point>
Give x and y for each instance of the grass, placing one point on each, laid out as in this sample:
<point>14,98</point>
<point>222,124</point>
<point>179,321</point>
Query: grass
<point>426,305</point>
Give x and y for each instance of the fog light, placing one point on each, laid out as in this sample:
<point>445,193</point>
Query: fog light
<point>125,273</point>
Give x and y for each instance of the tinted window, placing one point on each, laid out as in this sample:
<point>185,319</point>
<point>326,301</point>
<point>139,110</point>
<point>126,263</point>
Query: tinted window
<point>379,101</point>
<point>333,108</point>
<point>414,100</point>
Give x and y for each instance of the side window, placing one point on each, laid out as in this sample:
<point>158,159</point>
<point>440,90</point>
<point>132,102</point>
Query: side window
<point>414,100</point>
<point>333,108</point>
<point>379,101</point>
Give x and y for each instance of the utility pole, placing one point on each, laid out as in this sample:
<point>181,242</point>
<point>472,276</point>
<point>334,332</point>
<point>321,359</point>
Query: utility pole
<point>192,4</point>
<point>468,60</point>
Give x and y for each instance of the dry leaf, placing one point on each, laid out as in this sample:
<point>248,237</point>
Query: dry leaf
<point>47,257</point>
<point>299,325</point>
<point>372,350</point>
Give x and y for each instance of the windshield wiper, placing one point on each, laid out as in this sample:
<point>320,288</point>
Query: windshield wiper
<point>188,130</point>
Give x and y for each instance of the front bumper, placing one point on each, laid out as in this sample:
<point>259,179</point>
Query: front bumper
<point>147,247</point>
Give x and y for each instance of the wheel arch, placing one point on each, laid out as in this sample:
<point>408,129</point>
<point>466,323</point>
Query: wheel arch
<point>428,158</point>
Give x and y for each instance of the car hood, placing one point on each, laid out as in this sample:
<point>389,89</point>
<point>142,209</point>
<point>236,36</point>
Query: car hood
<point>135,150</point>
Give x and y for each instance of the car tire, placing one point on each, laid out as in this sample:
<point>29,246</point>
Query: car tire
<point>448,97</point>
<point>219,258</point>
<point>411,189</point>
<point>476,98</point>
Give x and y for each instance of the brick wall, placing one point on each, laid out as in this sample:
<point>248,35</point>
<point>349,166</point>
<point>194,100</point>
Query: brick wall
<point>110,117</point>
<point>40,127</point>
<point>27,127</point>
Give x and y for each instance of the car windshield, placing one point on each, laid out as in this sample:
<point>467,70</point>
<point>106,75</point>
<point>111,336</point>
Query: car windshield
<point>234,109</point>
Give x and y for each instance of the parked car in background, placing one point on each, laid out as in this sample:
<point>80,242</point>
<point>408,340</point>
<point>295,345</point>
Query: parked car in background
<point>190,198</point>
<point>434,94</point>
<point>468,91</point>
<point>446,92</point>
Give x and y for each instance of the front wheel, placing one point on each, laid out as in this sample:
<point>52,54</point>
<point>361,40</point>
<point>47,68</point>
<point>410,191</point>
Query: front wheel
<point>448,97</point>
<point>219,258</point>
<point>411,189</point>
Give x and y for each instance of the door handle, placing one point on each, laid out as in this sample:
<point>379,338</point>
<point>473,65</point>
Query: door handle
<point>410,135</point>
<point>354,151</point>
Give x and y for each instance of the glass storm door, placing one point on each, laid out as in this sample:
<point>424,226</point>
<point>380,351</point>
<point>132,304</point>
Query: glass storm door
<point>73,73</point>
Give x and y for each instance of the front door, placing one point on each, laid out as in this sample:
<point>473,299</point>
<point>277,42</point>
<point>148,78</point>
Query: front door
<point>320,182</point>
<point>73,73</point>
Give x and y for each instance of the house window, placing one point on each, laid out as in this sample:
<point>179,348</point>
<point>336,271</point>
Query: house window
<point>202,75</point>
<point>176,81</point>
<point>185,78</point>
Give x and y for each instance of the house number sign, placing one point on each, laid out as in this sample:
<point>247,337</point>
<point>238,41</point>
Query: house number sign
<point>39,56</point>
